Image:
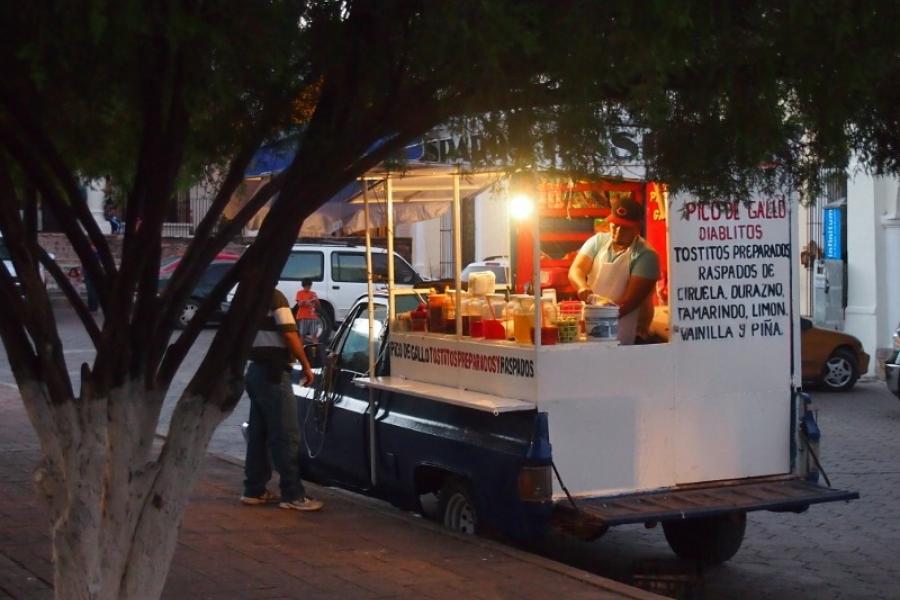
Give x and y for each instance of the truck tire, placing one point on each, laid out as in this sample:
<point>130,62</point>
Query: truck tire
<point>457,508</point>
<point>710,540</point>
<point>326,324</point>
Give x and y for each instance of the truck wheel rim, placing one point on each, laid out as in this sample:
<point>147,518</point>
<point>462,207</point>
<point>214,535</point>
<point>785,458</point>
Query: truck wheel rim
<point>460,515</point>
<point>838,372</point>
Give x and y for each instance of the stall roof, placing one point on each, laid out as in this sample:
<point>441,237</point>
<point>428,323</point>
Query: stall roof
<point>427,182</point>
<point>421,191</point>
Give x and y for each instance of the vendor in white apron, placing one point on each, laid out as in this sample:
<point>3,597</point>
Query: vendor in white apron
<point>621,266</point>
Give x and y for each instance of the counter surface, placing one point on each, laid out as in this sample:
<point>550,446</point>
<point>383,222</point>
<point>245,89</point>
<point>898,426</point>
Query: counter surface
<point>442,393</point>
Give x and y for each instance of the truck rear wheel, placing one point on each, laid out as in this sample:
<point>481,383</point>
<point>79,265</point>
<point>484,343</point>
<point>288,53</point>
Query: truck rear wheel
<point>456,507</point>
<point>710,540</point>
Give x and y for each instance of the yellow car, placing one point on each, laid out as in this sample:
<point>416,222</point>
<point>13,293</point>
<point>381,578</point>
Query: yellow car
<point>830,358</point>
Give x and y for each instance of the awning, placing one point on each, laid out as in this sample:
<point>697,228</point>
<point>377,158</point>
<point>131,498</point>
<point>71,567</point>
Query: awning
<point>421,192</point>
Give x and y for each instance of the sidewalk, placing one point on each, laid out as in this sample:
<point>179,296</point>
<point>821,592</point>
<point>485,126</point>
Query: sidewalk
<point>353,548</point>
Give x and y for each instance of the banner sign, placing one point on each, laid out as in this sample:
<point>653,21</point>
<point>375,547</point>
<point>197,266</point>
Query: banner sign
<point>832,233</point>
<point>501,368</point>
<point>730,269</point>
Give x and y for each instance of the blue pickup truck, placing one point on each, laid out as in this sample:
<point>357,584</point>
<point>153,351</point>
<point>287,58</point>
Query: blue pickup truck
<point>484,469</point>
<point>495,471</point>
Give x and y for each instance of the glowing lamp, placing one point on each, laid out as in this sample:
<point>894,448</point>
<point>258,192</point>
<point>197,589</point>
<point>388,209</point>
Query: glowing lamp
<point>520,207</point>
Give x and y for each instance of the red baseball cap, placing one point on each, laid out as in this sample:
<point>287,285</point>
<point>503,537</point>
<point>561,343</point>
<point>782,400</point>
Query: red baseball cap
<point>625,212</point>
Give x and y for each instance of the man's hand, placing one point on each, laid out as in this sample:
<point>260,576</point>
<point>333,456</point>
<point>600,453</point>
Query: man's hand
<point>578,273</point>
<point>292,340</point>
<point>309,376</point>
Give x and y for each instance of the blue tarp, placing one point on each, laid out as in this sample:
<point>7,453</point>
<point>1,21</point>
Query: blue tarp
<point>276,156</point>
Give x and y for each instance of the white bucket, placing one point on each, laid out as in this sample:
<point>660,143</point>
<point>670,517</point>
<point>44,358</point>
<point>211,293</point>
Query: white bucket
<point>601,323</point>
<point>482,283</point>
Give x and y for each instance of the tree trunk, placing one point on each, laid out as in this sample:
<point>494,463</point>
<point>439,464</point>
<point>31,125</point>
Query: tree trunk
<point>115,504</point>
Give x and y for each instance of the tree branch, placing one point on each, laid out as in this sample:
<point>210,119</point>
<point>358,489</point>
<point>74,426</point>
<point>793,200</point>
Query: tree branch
<point>72,295</point>
<point>36,171</point>
<point>147,308</point>
<point>176,352</point>
<point>171,299</point>
<point>62,173</point>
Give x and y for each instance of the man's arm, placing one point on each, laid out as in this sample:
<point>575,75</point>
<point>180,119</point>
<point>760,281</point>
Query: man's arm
<point>284,319</point>
<point>636,290</point>
<point>292,340</point>
<point>641,283</point>
<point>578,272</point>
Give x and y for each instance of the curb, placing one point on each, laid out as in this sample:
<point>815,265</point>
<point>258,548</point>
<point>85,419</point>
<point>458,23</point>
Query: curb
<point>609,585</point>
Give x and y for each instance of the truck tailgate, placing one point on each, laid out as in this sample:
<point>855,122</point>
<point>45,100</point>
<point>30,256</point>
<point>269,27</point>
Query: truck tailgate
<point>702,500</point>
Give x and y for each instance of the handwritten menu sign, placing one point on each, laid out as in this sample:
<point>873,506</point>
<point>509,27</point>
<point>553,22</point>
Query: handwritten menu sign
<point>730,265</point>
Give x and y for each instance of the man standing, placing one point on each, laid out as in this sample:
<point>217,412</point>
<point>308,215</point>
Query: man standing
<point>620,266</point>
<point>274,429</point>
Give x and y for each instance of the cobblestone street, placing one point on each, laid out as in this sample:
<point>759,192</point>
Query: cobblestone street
<point>839,550</point>
<point>833,551</point>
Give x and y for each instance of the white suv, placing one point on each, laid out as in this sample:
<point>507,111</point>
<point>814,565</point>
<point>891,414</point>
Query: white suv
<point>338,274</point>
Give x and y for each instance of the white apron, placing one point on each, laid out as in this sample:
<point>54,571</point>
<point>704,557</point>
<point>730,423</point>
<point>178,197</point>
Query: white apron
<point>610,280</point>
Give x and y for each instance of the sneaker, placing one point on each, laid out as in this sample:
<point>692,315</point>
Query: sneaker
<point>267,497</point>
<point>305,504</point>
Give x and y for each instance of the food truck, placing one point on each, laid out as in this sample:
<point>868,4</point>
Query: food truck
<point>520,417</point>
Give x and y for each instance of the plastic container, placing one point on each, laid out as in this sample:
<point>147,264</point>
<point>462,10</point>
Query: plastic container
<point>568,329</point>
<point>549,311</point>
<point>419,319</point>
<point>438,309</point>
<point>522,310</point>
<point>601,323</point>
<point>481,283</point>
<point>571,314</point>
<point>473,309</point>
<point>549,335</point>
<point>492,317</point>
<point>571,308</point>
<point>494,329</point>
<point>403,322</point>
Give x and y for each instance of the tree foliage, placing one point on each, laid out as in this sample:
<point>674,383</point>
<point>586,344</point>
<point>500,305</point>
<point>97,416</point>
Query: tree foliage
<point>154,94</point>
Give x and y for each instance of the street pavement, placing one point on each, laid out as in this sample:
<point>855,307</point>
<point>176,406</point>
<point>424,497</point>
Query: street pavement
<point>840,550</point>
<point>353,548</point>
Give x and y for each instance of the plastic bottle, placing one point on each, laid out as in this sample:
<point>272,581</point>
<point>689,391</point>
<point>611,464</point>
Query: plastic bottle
<point>437,312</point>
<point>472,309</point>
<point>492,317</point>
<point>419,318</point>
<point>523,319</point>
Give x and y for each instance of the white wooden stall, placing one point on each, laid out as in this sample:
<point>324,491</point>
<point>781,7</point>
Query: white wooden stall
<point>713,403</point>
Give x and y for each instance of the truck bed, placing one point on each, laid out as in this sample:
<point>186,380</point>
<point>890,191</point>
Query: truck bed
<point>593,516</point>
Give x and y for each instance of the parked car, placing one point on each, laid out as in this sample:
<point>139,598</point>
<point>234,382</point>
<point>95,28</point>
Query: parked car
<point>214,273</point>
<point>167,266</point>
<point>499,265</point>
<point>892,366</point>
<point>832,359</point>
<point>338,274</point>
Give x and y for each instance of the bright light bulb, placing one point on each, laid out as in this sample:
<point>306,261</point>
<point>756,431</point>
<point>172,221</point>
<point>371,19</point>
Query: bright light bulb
<point>520,207</point>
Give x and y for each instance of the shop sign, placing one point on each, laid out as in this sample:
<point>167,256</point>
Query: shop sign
<point>504,370</point>
<point>832,233</point>
<point>730,265</point>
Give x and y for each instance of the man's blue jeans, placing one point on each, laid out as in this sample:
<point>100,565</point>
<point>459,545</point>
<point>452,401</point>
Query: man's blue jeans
<point>273,434</point>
